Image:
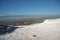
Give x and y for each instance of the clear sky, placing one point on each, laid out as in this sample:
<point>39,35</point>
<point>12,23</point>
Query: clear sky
<point>29,7</point>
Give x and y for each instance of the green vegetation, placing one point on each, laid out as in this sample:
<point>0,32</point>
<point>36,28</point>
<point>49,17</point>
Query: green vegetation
<point>21,21</point>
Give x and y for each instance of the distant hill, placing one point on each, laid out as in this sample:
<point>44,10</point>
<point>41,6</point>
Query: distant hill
<point>30,16</point>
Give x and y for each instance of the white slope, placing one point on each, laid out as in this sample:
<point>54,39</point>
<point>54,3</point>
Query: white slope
<point>48,30</point>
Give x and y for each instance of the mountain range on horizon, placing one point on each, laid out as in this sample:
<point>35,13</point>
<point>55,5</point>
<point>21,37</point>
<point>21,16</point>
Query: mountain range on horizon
<point>29,16</point>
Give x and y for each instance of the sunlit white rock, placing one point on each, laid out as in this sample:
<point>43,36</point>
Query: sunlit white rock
<point>48,30</point>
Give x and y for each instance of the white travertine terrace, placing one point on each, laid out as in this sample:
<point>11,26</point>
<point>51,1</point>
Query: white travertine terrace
<point>48,30</point>
<point>52,20</point>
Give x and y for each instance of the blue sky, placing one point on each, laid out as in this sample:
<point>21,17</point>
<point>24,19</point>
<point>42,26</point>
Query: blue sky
<point>29,7</point>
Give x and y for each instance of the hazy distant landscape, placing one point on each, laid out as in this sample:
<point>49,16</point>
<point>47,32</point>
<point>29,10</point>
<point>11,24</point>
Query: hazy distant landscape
<point>24,19</point>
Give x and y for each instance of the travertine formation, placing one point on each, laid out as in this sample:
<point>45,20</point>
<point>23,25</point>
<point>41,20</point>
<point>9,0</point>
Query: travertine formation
<point>48,30</point>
